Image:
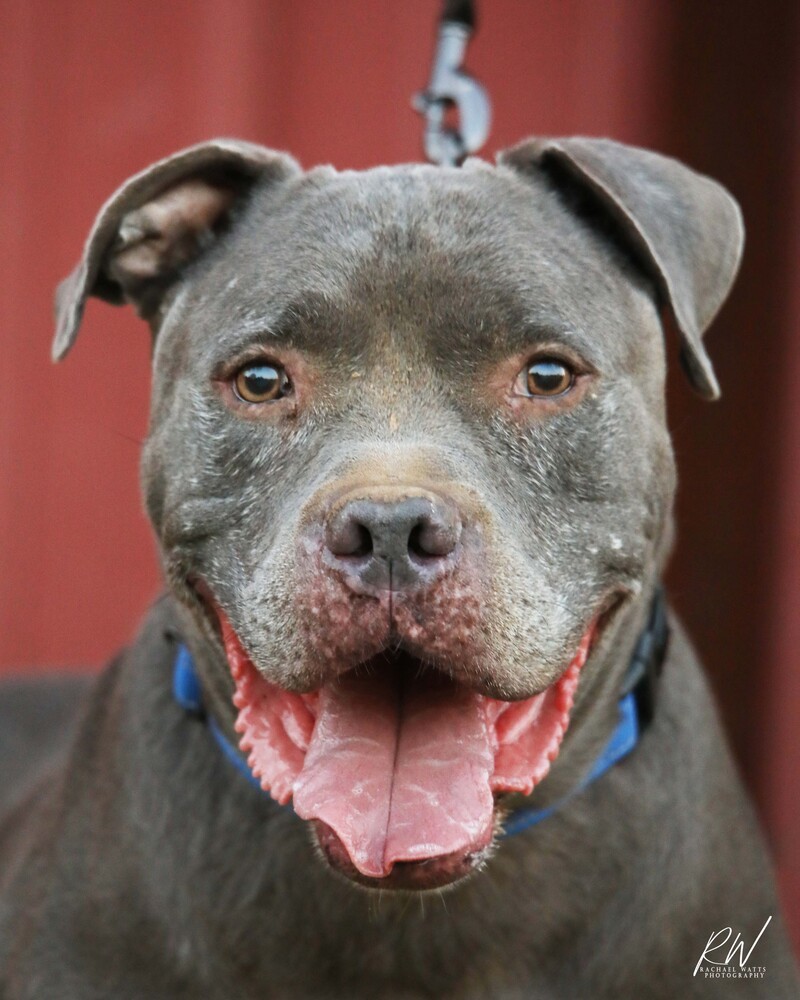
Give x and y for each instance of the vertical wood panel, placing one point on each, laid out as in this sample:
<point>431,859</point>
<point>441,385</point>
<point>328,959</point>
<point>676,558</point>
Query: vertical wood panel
<point>779,756</point>
<point>730,115</point>
<point>733,113</point>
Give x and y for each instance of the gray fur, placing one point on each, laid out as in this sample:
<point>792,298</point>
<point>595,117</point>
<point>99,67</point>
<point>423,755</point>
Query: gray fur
<point>143,865</point>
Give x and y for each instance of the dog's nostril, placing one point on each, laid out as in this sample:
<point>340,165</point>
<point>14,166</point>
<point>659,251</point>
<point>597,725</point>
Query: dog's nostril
<point>348,537</point>
<point>363,546</point>
<point>415,546</point>
<point>429,540</point>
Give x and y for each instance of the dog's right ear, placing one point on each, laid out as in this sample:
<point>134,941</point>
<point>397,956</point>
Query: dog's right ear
<point>683,229</point>
<point>157,223</point>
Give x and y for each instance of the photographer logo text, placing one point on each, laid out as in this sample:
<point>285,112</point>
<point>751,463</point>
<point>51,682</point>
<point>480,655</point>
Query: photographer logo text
<point>724,958</point>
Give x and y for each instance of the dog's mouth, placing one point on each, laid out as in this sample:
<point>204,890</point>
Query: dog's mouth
<point>397,764</point>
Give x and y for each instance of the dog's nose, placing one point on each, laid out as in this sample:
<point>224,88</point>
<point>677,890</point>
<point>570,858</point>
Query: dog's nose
<point>396,543</point>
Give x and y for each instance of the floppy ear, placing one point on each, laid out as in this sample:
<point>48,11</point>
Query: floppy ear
<point>685,229</point>
<point>157,223</point>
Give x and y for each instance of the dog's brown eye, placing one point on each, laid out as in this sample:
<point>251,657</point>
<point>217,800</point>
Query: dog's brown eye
<point>547,377</point>
<point>260,382</point>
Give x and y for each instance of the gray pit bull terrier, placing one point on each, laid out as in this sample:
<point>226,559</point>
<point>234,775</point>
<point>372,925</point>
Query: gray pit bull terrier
<point>412,484</point>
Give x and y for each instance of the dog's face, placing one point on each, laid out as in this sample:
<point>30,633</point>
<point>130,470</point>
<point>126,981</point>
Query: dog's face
<point>407,459</point>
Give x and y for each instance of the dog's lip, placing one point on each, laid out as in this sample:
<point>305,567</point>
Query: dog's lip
<point>402,768</point>
<point>211,612</point>
<point>409,868</point>
<point>206,603</point>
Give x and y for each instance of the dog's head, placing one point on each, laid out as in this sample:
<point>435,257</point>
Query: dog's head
<point>408,455</point>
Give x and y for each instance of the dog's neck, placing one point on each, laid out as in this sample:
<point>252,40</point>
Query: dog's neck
<point>270,898</point>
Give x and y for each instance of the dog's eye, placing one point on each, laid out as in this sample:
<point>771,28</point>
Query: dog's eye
<point>260,382</point>
<point>546,377</point>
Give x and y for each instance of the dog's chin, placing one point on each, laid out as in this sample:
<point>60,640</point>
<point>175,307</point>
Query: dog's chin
<point>411,876</point>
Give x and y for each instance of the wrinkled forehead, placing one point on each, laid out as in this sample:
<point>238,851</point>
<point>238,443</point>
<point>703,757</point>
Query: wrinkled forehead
<point>472,258</point>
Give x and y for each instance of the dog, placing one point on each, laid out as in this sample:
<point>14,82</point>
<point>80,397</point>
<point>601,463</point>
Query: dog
<point>412,484</point>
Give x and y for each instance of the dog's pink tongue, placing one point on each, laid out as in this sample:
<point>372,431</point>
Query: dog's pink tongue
<point>400,771</point>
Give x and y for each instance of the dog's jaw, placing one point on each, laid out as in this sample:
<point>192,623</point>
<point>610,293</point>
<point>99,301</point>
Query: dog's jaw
<point>399,774</point>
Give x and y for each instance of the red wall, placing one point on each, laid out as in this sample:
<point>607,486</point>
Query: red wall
<point>94,91</point>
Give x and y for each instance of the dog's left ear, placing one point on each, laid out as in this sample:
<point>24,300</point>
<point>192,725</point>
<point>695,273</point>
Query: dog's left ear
<point>685,229</point>
<point>158,223</point>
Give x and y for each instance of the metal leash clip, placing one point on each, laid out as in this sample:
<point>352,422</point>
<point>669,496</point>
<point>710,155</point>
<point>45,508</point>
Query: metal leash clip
<point>451,87</point>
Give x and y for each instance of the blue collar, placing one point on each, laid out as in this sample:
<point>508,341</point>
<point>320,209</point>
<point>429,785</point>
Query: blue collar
<point>636,707</point>
<point>189,695</point>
